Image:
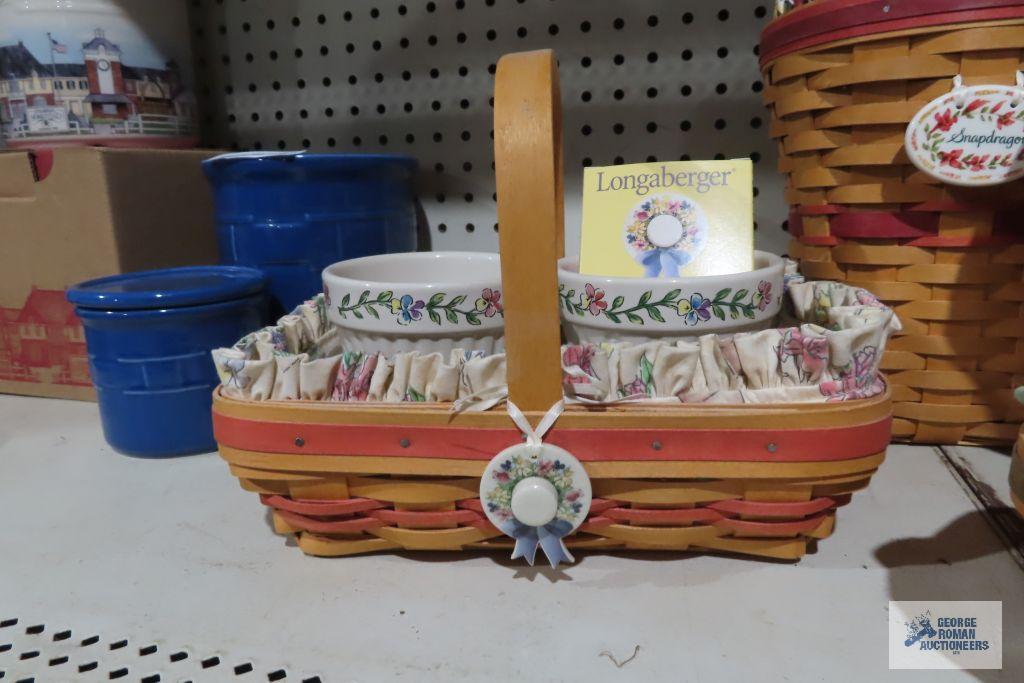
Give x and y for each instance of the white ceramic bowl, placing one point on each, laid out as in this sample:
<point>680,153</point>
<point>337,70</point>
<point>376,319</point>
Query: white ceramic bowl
<point>422,301</point>
<point>625,309</point>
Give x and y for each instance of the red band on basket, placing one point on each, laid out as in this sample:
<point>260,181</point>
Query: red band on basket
<point>349,506</point>
<point>883,224</point>
<point>941,206</point>
<point>589,445</point>
<point>795,224</point>
<point>953,241</point>
<point>826,22</point>
<point>919,227</point>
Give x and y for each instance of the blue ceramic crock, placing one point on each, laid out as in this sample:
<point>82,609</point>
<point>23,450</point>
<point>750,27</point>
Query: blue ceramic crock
<point>292,215</point>
<point>149,337</point>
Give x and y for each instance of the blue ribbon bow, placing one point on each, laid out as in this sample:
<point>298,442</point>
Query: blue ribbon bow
<point>548,537</point>
<point>662,262</point>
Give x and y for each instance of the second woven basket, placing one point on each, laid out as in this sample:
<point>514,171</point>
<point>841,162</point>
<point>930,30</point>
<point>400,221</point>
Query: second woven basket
<point>843,79</point>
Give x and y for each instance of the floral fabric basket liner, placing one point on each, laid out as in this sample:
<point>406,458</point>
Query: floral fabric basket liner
<point>827,348</point>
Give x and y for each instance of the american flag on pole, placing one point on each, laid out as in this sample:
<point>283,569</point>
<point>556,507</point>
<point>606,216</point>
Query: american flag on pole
<point>58,47</point>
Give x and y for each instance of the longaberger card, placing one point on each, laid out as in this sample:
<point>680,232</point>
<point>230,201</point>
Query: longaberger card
<point>668,219</point>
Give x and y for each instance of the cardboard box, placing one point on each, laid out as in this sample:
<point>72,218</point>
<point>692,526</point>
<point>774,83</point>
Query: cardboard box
<point>70,214</point>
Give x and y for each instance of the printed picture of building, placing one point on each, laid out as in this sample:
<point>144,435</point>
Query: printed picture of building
<point>43,341</point>
<point>99,96</point>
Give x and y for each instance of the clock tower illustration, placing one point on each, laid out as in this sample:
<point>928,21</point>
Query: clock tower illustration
<point>106,97</point>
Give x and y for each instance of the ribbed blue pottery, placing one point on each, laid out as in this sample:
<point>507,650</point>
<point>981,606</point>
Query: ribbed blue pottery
<point>292,215</point>
<point>149,337</point>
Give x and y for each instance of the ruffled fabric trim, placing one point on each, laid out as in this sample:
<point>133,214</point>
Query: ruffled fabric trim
<point>828,349</point>
<point>301,358</point>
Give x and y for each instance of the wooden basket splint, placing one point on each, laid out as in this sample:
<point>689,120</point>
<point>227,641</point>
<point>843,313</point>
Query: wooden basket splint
<point>843,79</point>
<point>348,478</point>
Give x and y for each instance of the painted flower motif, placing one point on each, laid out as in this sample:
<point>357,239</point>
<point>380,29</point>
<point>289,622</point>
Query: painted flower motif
<point>234,367</point>
<point>354,374</point>
<point>809,353</point>
<point>683,211</point>
<point>975,105</point>
<point>859,379</point>
<point>635,388</point>
<point>822,303</point>
<point>489,302</point>
<point>864,361</point>
<point>849,390</point>
<point>945,120</point>
<point>951,159</point>
<point>515,469</point>
<point>763,295</point>
<point>593,300</point>
<point>976,163</point>
<point>407,309</point>
<point>695,309</point>
<point>581,357</point>
<point>327,297</point>
<point>277,339</point>
<point>1005,120</point>
<point>866,298</point>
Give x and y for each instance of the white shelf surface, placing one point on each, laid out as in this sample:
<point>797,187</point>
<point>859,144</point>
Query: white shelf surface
<point>173,553</point>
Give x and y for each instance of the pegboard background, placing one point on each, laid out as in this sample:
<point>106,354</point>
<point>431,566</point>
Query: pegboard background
<point>642,80</point>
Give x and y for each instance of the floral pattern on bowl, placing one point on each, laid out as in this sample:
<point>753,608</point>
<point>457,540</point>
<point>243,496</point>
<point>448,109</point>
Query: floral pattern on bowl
<point>421,301</point>
<point>515,468</point>
<point>604,309</point>
<point>408,309</point>
<point>694,309</point>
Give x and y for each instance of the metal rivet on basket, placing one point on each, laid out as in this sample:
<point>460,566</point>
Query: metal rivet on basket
<point>772,447</point>
<point>656,445</point>
<point>405,443</point>
<point>887,9</point>
<point>300,442</point>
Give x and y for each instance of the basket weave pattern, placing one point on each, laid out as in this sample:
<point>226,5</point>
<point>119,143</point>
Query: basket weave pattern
<point>361,514</point>
<point>947,259</point>
<point>353,477</point>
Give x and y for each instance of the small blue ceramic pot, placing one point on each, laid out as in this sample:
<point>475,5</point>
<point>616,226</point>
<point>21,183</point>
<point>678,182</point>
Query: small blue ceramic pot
<point>149,337</point>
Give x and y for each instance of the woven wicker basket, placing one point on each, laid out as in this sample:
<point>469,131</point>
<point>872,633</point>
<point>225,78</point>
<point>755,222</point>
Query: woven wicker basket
<point>350,478</point>
<point>844,77</point>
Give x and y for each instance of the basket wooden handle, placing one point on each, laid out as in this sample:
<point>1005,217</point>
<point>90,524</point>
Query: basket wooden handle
<point>528,166</point>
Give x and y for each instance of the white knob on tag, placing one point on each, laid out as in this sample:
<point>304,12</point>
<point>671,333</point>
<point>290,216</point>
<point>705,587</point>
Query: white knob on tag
<point>534,501</point>
<point>664,231</point>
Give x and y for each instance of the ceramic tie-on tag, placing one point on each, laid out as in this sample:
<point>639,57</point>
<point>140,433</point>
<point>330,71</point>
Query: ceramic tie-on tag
<point>972,136</point>
<point>536,493</point>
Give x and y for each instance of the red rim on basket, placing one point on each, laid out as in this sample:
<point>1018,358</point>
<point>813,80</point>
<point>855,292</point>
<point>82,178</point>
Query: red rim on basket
<point>827,21</point>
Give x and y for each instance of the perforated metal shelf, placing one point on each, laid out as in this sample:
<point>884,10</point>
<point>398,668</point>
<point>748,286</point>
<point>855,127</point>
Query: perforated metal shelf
<point>641,80</point>
<point>34,650</point>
